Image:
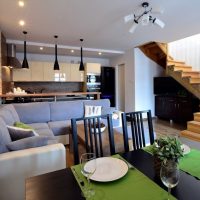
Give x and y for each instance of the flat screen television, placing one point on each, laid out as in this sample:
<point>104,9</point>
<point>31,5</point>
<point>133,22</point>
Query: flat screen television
<point>166,85</point>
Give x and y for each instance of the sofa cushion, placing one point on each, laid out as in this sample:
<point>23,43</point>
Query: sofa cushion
<point>22,125</point>
<point>20,133</point>
<point>42,129</point>
<point>60,127</point>
<point>9,114</point>
<point>33,112</point>
<point>105,103</point>
<point>4,137</point>
<point>66,110</point>
<point>30,142</point>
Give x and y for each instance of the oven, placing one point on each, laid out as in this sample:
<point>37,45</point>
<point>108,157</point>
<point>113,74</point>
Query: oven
<point>93,84</point>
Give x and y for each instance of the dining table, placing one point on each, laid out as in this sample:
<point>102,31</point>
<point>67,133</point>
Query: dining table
<point>62,184</point>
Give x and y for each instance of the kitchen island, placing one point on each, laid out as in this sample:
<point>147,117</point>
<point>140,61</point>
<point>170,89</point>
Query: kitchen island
<point>53,96</point>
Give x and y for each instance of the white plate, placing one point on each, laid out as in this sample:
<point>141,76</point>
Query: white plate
<point>186,149</point>
<point>108,169</point>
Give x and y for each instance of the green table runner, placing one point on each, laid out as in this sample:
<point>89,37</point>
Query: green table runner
<point>190,163</point>
<point>134,185</point>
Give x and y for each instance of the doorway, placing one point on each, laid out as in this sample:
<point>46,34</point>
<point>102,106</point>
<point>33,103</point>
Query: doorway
<point>120,89</point>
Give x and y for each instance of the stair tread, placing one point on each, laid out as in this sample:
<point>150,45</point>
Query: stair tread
<point>190,135</point>
<point>175,61</point>
<point>194,122</point>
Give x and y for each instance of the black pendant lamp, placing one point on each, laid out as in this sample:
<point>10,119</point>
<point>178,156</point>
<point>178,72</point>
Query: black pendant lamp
<point>56,65</point>
<point>81,67</point>
<point>25,62</point>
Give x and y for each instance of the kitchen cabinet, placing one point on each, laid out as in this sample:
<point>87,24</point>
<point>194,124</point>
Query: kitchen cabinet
<point>65,72</point>
<point>93,68</point>
<point>76,75</point>
<point>37,71</point>
<point>21,75</point>
<point>176,108</point>
<point>48,71</point>
<point>43,71</point>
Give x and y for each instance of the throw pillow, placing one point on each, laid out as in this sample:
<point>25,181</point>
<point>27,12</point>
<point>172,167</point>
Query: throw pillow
<point>31,142</point>
<point>22,125</point>
<point>91,111</point>
<point>20,133</point>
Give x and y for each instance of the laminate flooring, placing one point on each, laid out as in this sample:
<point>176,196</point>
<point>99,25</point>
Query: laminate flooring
<point>161,128</point>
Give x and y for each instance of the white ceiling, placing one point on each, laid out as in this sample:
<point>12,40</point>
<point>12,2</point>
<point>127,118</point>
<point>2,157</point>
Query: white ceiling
<point>99,22</point>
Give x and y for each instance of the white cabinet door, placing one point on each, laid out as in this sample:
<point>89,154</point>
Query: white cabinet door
<point>37,71</point>
<point>93,68</point>
<point>49,73</point>
<point>21,75</point>
<point>76,75</point>
<point>65,70</point>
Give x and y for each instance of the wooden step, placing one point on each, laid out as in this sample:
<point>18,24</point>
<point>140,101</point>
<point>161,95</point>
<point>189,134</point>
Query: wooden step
<point>174,62</point>
<point>190,135</point>
<point>194,126</point>
<point>197,116</point>
<point>194,80</point>
<point>182,68</point>
<point>193,74</point>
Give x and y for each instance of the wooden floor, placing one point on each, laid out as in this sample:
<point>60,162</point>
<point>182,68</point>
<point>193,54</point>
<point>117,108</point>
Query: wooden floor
<point>161,128</point>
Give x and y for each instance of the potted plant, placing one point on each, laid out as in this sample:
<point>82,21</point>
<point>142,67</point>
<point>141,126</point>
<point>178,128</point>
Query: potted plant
<point>166,149</point>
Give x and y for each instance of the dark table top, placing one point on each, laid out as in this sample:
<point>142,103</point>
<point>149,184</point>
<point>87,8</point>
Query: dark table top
<point>62,184</point>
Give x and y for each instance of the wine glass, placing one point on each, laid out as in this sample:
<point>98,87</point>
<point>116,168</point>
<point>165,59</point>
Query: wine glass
<point>169,174</point>
<point>88,167</point>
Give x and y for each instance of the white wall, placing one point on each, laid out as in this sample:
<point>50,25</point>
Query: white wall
<point>139,73</point>
<point>128,60</point>
<point>145,70</point>
<point>187,50</point>
<point>67,59</point>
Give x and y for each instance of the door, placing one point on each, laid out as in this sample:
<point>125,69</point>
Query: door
<point>120,89</point>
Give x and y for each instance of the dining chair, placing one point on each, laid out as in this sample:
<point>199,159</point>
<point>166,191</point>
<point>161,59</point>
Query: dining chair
<point>90,129</point>
<point>134,128</point>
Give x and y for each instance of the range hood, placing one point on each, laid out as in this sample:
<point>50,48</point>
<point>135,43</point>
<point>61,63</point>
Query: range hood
<point>12,61</point>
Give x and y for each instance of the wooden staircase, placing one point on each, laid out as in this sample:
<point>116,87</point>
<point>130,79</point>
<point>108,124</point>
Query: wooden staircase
<point>183,74</point>
<point>193,128</point>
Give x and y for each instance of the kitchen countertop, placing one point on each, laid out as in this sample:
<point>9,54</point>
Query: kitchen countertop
<point>51,94</point>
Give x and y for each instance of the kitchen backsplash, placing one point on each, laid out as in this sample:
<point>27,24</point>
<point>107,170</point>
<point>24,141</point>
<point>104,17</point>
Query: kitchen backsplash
<point>45,87</point>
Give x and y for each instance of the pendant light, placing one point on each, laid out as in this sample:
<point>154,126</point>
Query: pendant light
<point>81,67</point>
<point>25,62</point>
<point>56,65</point>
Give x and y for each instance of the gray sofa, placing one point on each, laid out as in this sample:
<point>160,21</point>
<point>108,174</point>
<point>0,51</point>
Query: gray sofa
<point>50,118</point>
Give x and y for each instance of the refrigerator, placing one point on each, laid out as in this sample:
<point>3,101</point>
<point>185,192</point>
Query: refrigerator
<point>108,84</point>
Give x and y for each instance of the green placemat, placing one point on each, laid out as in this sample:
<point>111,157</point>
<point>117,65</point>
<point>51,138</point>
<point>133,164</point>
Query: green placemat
<point>134,185</point>
<point>189,163</point>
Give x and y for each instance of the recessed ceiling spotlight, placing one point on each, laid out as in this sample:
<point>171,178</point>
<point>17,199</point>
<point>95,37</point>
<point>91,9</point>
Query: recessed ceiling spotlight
<point>21,3</point>
<point>41,48</point>
<point>72,51</point>
<point>99,53</point>
<point>21,22</point>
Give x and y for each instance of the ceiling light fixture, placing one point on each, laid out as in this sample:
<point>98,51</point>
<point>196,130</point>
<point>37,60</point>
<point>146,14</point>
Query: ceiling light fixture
<point>145,18</point>
<point>56,65</point>
<point>21,22</point>
<point>21,3</point>
<point>99,53</point>
<point>41,48</point>
<point>81,67</point>
<point>25,62</point>
<point>72,51</point>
